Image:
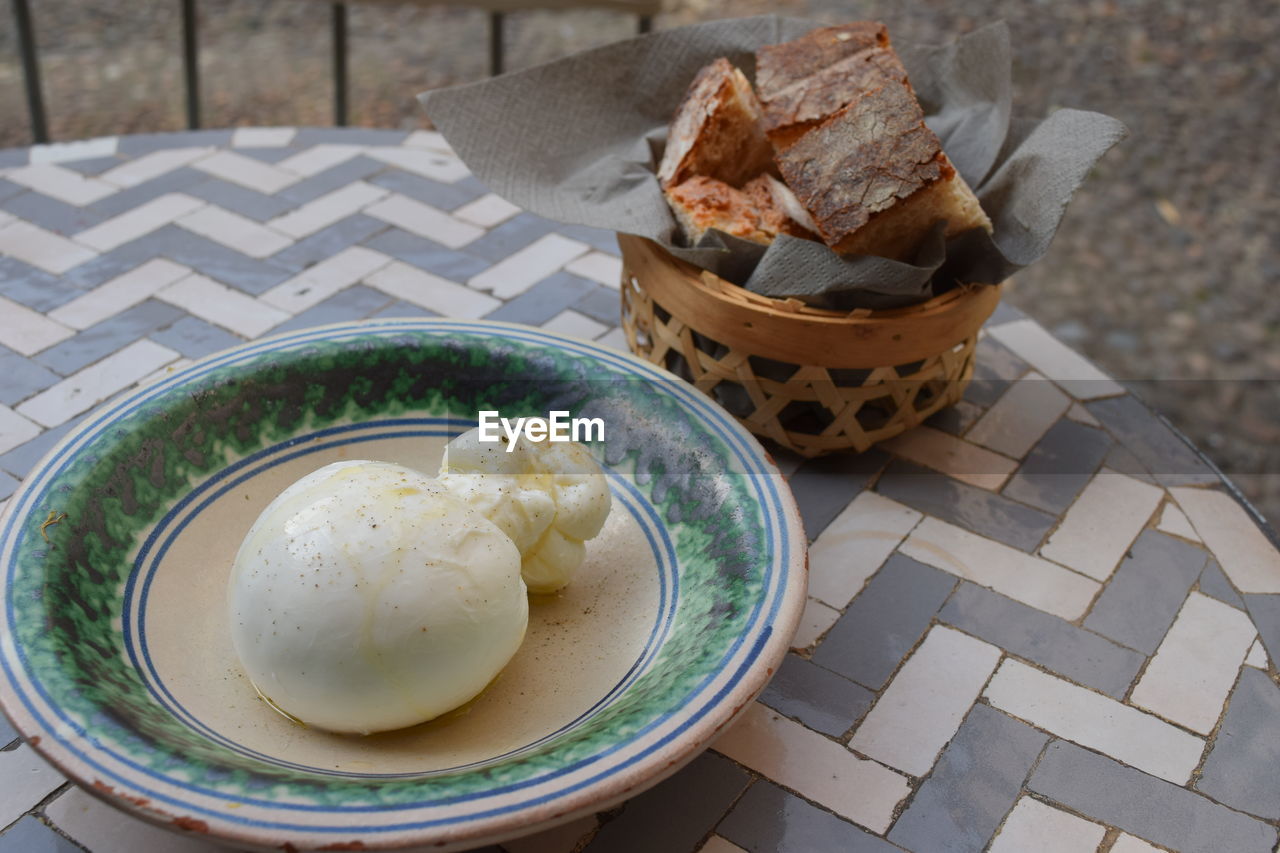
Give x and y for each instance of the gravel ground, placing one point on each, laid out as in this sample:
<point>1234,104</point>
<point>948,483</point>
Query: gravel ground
<point>1161,272</point>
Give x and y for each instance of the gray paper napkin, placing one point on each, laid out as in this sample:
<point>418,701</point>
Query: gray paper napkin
<point>578,140</point>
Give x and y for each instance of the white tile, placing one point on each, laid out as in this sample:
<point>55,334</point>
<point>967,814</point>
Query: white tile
<point>1126,843</point>
<point>617,339</point>
<point>246,171</point>
<point>223,306</point>
<point>6,218</point>
<point>81,149</point>
<point>327,209</point>
<point>26,331</point>
<point>516,273</point>
<point>943,452</point>
<point>63,184</point>
<point>1247,557</point>
<point>14,430</point>
<point>719,844</point>
<point>1021,416</point>
<point>104,829</point>
<point>262,137</point>
<point>1103,522</point>
<point>1081,415</point>
<point>25,779</point>
<point>1056,360</point>
<point>33,245</point>
<point>432,292</point>
<point>487,211</point>
<point>235,231</point>
<point>1257,656</point>
<point>425,220</point>
<point>599,266</point>
<point>153,165</point>
<point>559,839</point>
<point>435,165</point>
<point>1008,571</point>
<point>815,767</point>
<point>815,621</point>
<point>570,322</point>
<point>166,371</point>
<point>317,283</point>
<point>95,383</point>
<point>429,139</point>
<point>1033,826</point>
<point>1174,521</point>
<point>120,293</point>
<point>854,546</point>
<point>318,158</point>
<point>921,709</point>
<point>138,222</point>
<point>1095,721</point>
<point>1191,675</point>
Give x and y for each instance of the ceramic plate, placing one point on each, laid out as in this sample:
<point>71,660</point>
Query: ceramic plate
<point>117,661</point>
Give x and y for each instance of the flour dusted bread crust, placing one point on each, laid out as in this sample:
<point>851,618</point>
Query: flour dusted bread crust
<point>875,178</point>
<point>760,211</point>
<point>716,131</point>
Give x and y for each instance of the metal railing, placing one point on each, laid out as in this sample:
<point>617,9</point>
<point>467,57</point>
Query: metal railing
<point>191,57</point>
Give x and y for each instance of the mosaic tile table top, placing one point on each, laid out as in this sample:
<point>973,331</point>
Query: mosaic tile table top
<point>1040,623</point>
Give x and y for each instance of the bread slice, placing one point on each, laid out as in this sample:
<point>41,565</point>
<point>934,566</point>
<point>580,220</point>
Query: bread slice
<point>875,179</point>
<point>779,66</point>
<point>716,131</point>
<point>760,211</point>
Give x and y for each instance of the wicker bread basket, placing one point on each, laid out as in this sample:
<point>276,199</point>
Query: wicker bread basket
<point>812,380</point>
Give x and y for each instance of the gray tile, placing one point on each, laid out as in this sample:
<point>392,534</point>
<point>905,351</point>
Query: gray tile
<point>1059,466</point>
<point>347,136</point>
<point>354,303</point>
<point>1150,438</point>
<point>1265,611</point>
<point>22,377</point>
<point>822,487</point>
<point>967,506</point>
<point>1005,313</point>
<point>11,157</point>
<point>1139,603</point>
<point>135,145</point>
<point>1054,643</point>
<point>435,193</point>
<point>93,165</point>
<point>1241,769</point>
<point>20,460</point>
<point>428,255</point>
<point>994,371</point>
<point>972,787</point>
<point>544,300</point>
<point>677,813</point>
<point>8,189</point>
<point>51,214</point>
<point>1120,459</point>
<point>8,734</point>
<point>769,820</point>
<point>335,178</point>
<point>1214,583</point>
<point>195,338</point>
<point>511,236</point>
<point>817,697</point>
<point>400,308</point>
<point>885,621</point>
<point>35,288</point>
<point>1143,805</point>
<point>597,238</point>
<point>241,200</point>
<point>212,259</point>
<point>272,154</point>
<point>179,180</point>
<point>29,835</point>
<point>471,182</point>
<point>601,303</point>
<point>102,339</point>
<point>328,242</point>
<point>7,487</point>
<point>954,420</point>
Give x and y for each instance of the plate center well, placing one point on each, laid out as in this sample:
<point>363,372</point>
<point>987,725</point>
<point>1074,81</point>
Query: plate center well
<point>582,646</point>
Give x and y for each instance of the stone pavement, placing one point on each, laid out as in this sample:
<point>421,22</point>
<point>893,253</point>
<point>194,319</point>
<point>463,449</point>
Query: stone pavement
<point>1040,623</point>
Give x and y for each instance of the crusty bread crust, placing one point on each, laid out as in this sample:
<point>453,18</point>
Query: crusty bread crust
<point>716,131</point>
<point>703,203</point>
<point>781,65</point>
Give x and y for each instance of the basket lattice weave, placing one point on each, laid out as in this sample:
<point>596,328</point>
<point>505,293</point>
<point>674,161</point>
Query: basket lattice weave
<point>812,380</point>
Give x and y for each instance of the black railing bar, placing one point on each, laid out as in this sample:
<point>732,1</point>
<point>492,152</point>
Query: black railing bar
<point>645,24</point>
<point>496,62</point>
<point>31,71</point>
<point>340,64</point>
<point>191,62</point>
